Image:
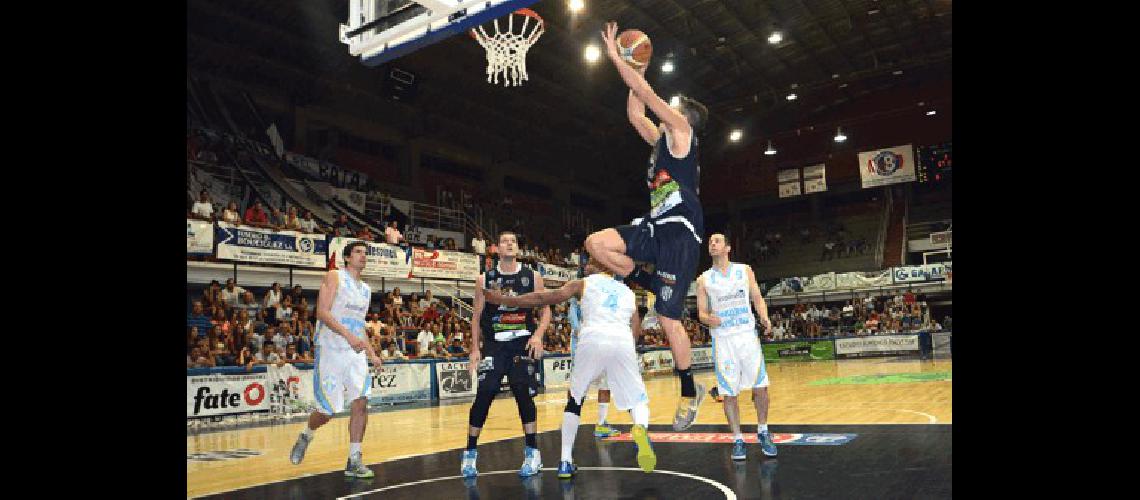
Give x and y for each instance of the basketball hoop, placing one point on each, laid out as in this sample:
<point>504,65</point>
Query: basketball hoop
<point>506,50</point>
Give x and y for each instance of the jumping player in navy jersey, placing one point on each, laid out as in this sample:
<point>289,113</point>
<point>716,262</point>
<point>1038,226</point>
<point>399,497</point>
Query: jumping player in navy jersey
<point>669,235</point>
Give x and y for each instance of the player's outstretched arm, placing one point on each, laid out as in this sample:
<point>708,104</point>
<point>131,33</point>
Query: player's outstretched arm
<point>535,299</point>
<point>640,88</point>
<point>635,111</point>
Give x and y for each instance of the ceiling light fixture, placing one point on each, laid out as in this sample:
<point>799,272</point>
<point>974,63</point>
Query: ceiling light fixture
<point>792,97</point>
<point>734,136</point>
<point>592,53</point>
<point>576,5</point>
<point>667,67</point>
<point>771,150</point>
<point>775,37</point>
<point>839,137</point>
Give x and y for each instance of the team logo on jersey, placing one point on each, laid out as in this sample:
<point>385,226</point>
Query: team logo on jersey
<point>667,278</point>
<point>885,163</point>
<point>666,293</point>
<point>660,179</point>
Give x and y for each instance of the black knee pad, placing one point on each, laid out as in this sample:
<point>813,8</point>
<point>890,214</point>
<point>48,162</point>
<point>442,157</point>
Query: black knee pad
<point>479,408</point>
<point>527,411</point>
<point>572,406</point>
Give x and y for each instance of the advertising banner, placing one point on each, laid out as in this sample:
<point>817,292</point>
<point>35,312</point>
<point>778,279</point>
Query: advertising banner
<point>454,380</point>
<point>400,382</point>
<point>789,182</point>
<point>887,166</point>
<point>876,345</point>
<point>384,260</point>
<point>657,362</point>
<point>702,357</point>
<point>444,264</point>
<point>266,246</point>
<point>815,179</point>
<point>914,274</point>
<point>806,350</point>
<point>819,283</point>
<point>555,274</point>
<point>556,371</point>
<point>211,395</point>
<point>863,279</point>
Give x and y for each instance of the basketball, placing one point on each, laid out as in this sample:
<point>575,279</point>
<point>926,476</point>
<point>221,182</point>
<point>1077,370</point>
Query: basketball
<point>634,47</point>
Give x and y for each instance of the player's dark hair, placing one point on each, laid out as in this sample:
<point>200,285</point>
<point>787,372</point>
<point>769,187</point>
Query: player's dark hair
<point>512,233</point>
<point>695,112</point>
<point>352,246</point>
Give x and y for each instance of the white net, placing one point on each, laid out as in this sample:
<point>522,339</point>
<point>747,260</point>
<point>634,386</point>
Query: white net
<point>506,50</point>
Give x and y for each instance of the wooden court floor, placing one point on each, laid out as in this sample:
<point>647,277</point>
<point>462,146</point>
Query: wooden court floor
<point>858,391</point>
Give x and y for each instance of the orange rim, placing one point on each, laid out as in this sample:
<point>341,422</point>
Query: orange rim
<point>522,12</point>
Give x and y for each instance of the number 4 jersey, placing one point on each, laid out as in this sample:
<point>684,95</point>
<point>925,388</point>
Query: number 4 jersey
<point>607,306</point>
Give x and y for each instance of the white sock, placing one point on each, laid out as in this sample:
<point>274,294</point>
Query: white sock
<point>640,414</point>
<point>602,408</point>
<point>569,432</point>
<point>762,428</point>
<point>353,448</point>
<point>738,436</point>
<point>307,432</point>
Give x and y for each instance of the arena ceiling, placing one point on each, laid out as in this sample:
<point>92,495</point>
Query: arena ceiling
<point>832,54</point>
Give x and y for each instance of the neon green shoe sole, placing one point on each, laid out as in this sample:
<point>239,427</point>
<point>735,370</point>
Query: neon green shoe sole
<point>646,458</point>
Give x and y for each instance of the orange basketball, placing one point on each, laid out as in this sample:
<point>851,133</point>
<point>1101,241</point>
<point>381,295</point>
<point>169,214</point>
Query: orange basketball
<point>634,47</point>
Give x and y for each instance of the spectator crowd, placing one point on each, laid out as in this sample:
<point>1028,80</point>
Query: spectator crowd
<point>902,313</point>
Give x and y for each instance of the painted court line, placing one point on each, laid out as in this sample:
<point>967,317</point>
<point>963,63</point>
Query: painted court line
<point>728,493</point>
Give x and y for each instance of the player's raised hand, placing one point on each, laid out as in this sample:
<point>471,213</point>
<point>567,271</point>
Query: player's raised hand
<point>376,360</point>
<point>609,36</point>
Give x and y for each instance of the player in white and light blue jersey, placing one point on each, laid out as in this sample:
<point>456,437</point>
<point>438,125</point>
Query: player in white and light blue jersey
<point>574,313</point>
<point>341,357</point>
<point>726,294</point>
<point>606,345</point>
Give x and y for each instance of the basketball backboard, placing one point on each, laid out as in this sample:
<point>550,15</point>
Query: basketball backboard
<point>381,30</point>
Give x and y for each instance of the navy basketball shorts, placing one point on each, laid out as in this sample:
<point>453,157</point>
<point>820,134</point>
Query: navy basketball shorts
<point>673,248</point>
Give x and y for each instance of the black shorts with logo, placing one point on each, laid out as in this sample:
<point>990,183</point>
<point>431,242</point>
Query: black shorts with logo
<point>499,360</point>
<point>674,250</point>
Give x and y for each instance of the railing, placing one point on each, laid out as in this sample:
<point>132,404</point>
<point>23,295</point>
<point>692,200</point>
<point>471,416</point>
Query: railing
<point>434,216</point>
<point>465,311</point>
